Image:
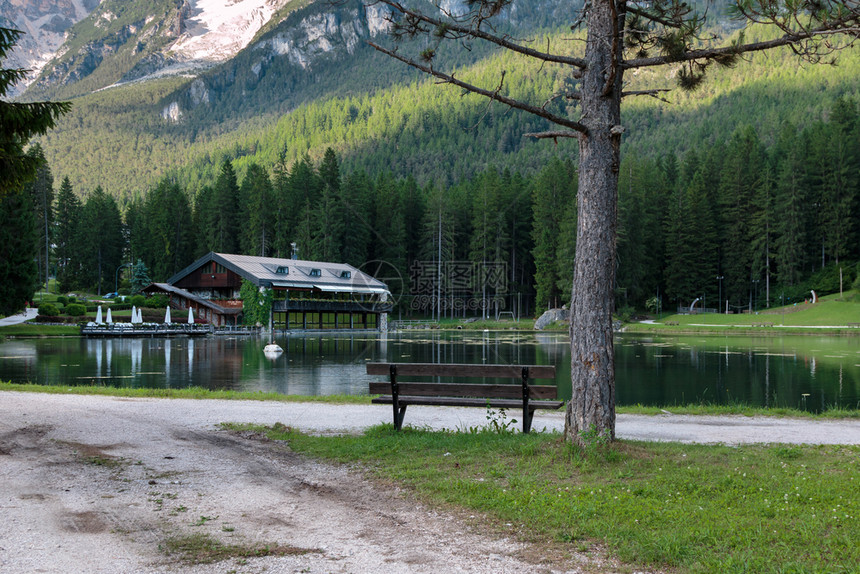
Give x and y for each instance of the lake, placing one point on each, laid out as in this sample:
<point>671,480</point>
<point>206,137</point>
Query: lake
<point>810,372</point>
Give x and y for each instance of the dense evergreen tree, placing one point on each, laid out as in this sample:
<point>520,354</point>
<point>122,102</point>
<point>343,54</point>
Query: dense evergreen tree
<point>19,236</point>
<point>68,212</point>
<point>100,241</point>
<point>225,210</point>
<point>19,122</point>
<point>740,176</point>
<point>258,217</point>
<point>791,204</point>
<point>329,217</point>
<point>554,191</point>
<point>204,220</point>
<point>168,230</point>
<point>41,190</point>
<point>356,194</point>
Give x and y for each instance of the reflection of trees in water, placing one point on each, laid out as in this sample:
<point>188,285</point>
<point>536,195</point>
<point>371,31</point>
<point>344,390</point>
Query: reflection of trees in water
<point>554,345</point>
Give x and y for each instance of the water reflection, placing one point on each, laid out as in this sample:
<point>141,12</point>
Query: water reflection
<point>815,372</point>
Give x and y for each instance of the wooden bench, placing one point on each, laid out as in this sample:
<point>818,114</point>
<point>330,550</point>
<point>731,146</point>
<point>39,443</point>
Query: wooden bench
<point>400,394</point>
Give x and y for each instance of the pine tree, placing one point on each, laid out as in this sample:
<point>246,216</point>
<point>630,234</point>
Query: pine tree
<point>68,214</point>
<point>19,122</point>
<point>225,210</point>
<point>257,214</point>
<point>553,194</point>
<point>356,192</point>
<point>19,274</point>
<point>100,240</point>
<point>740,178</point>
<point>41,190</point>
<point>168,227</point>
<point>791,204</point>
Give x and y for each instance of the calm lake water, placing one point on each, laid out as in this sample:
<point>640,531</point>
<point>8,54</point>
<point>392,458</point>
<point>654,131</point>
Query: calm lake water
<point>805,372</point>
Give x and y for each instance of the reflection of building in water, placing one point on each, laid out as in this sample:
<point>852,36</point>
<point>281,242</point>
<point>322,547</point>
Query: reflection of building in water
<point>190,355</point>
<point>307,294</point>
<point>136,355</point>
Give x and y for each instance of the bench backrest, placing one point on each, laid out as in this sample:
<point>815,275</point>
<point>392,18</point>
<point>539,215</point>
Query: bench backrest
<point>428,389</point>
<point>462,370</point>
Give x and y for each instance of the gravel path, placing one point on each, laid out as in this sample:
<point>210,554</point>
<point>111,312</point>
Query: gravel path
<point>104,484</point>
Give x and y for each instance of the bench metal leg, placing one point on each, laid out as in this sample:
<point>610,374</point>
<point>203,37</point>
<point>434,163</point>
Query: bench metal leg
<point>528,414</point>
<point>398,416</point>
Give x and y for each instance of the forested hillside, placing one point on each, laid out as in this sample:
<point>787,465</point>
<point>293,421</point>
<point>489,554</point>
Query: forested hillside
<point>119,138</point>
<point>746,191</point>
<point>744,223</point>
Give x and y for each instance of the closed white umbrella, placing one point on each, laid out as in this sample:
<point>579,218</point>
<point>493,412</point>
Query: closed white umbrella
<point>190,316</point>
<point>133,314</point>
<point>109,318</point>
<point>167,316</point>
<point>99,316</point>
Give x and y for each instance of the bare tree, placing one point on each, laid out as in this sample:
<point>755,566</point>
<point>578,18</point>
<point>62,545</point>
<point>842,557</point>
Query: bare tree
<point>620,36</point>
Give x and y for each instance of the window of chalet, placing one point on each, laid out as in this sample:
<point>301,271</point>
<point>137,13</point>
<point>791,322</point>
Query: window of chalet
<point>345,274</point>
<point>316,273</point>
<point>282,270</point>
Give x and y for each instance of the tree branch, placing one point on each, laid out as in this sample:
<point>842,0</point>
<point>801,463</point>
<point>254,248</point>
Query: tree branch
<point>477,33</point>
<point>449,79</point>
<point>655,93</point>
<point>553,135</point>
<point>711,53</point>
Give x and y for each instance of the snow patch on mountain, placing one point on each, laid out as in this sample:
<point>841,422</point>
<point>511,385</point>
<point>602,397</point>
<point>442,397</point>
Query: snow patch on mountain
<point>215,30</point>
<point>44,25</point>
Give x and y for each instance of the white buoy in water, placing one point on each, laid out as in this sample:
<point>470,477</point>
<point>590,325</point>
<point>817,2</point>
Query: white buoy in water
<point>272,351</point>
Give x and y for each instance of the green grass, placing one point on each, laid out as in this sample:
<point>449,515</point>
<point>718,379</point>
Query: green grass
<point>689,508</point>
<point>791,319</point>
<point>38,330</point>
<point>202,548</point>
<point>189,393</point>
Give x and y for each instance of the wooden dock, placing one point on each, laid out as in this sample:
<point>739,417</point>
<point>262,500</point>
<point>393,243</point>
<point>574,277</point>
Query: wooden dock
<point>146,330</point>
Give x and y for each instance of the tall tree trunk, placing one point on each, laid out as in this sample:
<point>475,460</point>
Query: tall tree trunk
<point>592,406</point>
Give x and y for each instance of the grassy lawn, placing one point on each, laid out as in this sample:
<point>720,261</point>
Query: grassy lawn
<point>31,329</point>
<point>189,393</point>
<point>686,508</point>
<point>829,311</point>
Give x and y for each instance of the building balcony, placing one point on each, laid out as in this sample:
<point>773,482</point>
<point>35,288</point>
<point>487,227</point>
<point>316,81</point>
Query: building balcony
<point>330,306</point>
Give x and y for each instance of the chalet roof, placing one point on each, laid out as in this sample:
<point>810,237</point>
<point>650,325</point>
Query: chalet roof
<point>287,273</point>
<point>167,288</point>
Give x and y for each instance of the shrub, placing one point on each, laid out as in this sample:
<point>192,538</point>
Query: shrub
<point>157,301</point>
<point>48,310</point>
<point>72,299</point>
<point>76,310</point>
<point>138,300</point>
<point>62,300</point>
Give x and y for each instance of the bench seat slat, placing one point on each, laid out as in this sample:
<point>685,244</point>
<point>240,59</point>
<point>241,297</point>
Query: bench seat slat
<point>464,390</point>
<point>459,370</point>
<point>466,402</point>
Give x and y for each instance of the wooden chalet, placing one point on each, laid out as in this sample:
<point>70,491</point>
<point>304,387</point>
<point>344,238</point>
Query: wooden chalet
<point>307,294</point>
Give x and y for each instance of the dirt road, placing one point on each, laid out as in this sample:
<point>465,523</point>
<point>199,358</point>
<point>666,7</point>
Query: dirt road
<point>111,485</point>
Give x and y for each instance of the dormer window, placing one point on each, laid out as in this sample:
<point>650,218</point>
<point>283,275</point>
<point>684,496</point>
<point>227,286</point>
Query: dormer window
<point>316,273</point>
<point>345,274</point>
<point>282,270</point>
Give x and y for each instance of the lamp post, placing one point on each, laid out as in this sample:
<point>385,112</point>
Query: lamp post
<point>116,276</point>
<point>720,300</point>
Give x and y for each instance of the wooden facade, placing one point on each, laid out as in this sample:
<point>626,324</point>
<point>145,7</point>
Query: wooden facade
<point>308,295</point>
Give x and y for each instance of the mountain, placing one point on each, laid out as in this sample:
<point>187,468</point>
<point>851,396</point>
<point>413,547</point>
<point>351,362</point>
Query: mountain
<point>306,80</point>
<point>44,23</point>
<point>117,41</point>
